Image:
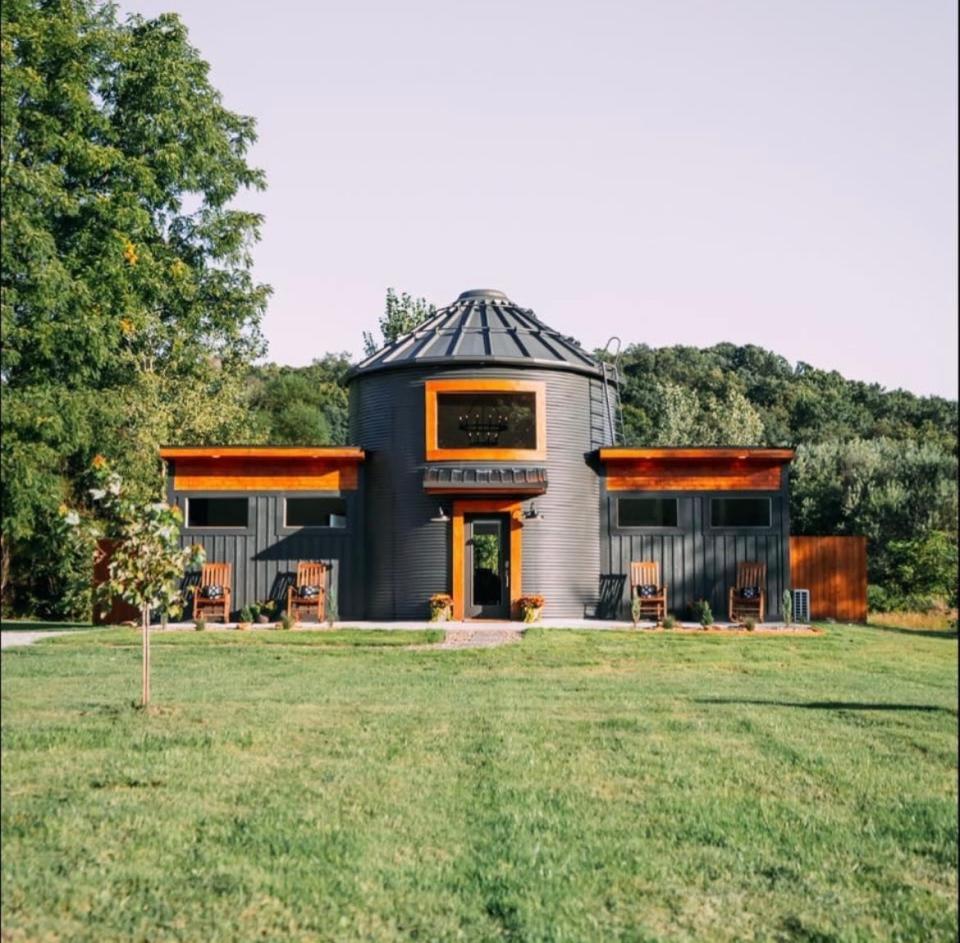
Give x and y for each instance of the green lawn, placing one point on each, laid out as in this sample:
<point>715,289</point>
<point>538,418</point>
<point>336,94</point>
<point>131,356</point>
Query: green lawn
<point>574,787</point>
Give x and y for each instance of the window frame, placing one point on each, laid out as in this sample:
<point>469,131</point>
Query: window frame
<point>484,453</point>
<point>736,528</point>
<point>246,528</point>
<point>647,528</point>
<point>286,528</point>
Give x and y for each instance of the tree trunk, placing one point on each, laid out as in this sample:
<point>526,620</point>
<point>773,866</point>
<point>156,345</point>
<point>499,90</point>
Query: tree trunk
<point>145,693</point>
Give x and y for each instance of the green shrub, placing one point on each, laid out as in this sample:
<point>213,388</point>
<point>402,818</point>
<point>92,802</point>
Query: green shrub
<point>286,622</point>
<point>669,621</point>
<point>199,624</point>
<point>635,609</point>
<point>702,612</point>
<point>788,607</point>
<point>750,624</point>
<point>246,614</point>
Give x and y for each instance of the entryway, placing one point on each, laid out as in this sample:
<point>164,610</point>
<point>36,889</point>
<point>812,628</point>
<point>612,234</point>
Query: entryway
<point>487,566</point>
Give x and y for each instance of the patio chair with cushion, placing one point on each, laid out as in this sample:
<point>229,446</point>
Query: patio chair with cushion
<point>212,593</point>
<point>748,599</point>
<point>646,587</point>
<point>310,590</point>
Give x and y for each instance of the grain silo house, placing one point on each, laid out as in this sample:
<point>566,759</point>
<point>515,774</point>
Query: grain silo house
<point>484,463</point>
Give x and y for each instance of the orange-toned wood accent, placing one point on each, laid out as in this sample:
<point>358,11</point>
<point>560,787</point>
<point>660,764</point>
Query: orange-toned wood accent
<point>120,610</point>
<point>723,475</point>
<point>747,453</point>
<point>262,451</point>
<point>834,569</point>
<point>244,474</point>
<point>435,454</point>
<point>465,506</point>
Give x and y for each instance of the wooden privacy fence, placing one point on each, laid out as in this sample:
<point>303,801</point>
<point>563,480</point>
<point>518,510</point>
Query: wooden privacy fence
<point>834,569</point>
<point>120,610</point>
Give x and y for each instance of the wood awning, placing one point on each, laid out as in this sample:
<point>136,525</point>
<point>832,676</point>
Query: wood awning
<point>690,469</point>
<point>255,468</point>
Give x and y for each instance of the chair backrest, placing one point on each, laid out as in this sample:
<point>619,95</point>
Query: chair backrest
<point>751,574</point>
<point>644,573</point>
<point>216,574</point>
<point>311,573</point>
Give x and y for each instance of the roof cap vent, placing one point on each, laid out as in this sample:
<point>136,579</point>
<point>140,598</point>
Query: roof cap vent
<point>490,294</point>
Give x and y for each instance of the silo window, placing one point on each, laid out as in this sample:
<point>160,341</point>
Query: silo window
<point>647,512</point>
<point>316,512</point>
<point>217,512</point>
<point>486,420</point>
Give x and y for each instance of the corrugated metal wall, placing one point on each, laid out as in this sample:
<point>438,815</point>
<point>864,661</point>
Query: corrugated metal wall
<point>696,561</point>
<point>408,557</point>
<point>265,555</point>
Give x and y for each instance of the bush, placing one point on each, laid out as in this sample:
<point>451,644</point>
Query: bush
<point>200,624</point>
<point>750,624</point>
<point>286,622</point>
<point>702,612</point>
<point>669,621</point>
<point>246,614</point>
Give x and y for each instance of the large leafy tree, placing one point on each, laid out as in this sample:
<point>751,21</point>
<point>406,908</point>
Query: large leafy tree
<point>129,311</point>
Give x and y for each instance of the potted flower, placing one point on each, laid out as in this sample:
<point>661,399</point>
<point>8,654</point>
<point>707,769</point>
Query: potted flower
<point>441,607</point>
<point>266,608</point>
<point>531,607</point>
<point>246,619</point>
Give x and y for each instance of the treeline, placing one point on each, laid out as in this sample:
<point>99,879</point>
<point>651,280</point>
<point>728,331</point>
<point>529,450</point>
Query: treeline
<point>130,318</point>
<point>869,461</point>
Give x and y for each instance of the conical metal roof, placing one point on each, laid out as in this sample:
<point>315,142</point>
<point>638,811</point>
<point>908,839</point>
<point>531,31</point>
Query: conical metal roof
<point>482,326</point>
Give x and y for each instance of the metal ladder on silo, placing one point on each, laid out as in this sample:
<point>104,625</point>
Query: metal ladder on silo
<point>611,382</point>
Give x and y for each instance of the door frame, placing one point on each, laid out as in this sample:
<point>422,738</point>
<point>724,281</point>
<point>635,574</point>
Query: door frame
<point>464,506</point>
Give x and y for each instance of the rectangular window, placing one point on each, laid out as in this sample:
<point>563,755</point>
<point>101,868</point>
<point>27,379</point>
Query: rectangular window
<point>647,512</point>
<point>217,512</point>
<point>739,512</point>
<point>316,512</point>
<point>486,420</point>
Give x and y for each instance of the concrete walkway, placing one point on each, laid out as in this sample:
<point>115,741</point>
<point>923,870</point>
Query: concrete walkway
<point>14,639</point>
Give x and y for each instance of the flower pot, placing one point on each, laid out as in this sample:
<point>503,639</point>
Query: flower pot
<point>243,626</point>
<point>263,620</point>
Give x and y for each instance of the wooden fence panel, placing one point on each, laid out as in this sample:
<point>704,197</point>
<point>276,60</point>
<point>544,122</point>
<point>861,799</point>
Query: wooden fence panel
<point>120,610</point>
<point>834,569</point>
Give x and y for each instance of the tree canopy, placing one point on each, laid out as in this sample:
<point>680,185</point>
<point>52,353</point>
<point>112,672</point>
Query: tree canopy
<point>129,311</point>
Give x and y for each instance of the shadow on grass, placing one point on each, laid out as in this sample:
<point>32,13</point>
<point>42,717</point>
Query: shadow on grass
<point>19,626</point>
<point>922,633</point>
<point>830,705</point>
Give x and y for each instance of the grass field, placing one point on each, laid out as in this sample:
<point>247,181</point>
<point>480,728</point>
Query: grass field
<point>573,787</point>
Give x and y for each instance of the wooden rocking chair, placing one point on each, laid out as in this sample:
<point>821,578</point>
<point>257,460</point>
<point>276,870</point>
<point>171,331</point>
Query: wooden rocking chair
<point>646,573</point>
<point>310,576</point>
<point>213,575</point>
<point>752,578</point>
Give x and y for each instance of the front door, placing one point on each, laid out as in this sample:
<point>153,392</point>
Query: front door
<point>487,577</point>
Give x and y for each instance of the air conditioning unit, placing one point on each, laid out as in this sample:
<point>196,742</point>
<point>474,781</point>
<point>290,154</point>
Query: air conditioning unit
<point>801,605</point>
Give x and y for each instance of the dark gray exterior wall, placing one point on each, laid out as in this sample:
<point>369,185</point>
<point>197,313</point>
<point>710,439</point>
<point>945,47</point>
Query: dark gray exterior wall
<point>696,560</point>
<point>265,554</point>
<point>408,557</point>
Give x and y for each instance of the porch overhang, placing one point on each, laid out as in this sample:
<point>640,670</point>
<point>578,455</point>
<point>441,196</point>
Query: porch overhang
<point>255,468</point>
<point>688,469</point>
<point>475,479</point>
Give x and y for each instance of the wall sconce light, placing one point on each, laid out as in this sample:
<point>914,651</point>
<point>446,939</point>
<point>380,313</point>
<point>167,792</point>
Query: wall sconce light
<point>441,517</point>
<point>532,515</point>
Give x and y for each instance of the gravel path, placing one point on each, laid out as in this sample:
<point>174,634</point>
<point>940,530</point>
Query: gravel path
<point>479,638</point>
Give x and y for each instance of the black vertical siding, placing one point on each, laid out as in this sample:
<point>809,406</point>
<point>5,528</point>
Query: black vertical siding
<point>696,561</point>
<point>265,555</point>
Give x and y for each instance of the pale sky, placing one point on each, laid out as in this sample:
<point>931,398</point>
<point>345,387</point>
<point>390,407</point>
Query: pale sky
<point>672,172</point>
